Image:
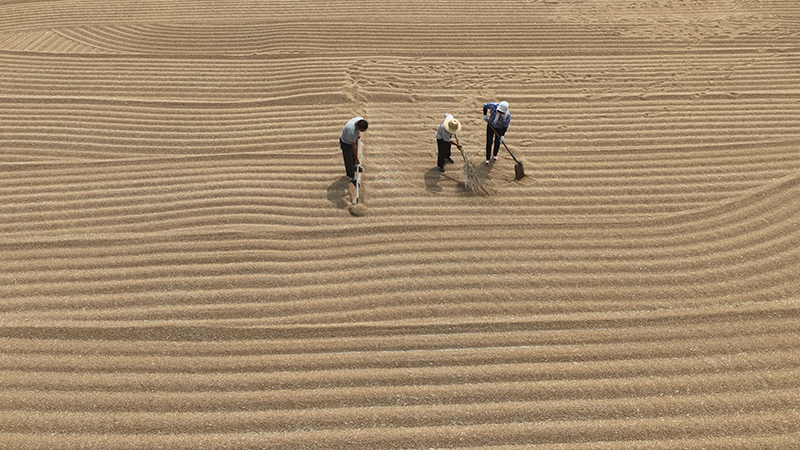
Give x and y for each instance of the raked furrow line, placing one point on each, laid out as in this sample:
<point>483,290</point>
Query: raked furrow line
<point>180,269</point>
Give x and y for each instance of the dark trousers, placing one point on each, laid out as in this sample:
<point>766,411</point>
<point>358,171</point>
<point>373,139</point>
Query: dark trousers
<point>445,148</point>
<point>490,135</point>
<point>349,159</point>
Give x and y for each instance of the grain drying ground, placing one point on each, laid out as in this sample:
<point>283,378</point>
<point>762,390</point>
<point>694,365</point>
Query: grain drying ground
<point>180,270</point>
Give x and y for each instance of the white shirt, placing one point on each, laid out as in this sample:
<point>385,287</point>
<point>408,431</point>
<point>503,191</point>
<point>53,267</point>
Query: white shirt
<point>350,133</point>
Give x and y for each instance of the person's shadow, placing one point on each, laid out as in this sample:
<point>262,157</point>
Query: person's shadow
<point>339,191</point>
<point>432,178</point>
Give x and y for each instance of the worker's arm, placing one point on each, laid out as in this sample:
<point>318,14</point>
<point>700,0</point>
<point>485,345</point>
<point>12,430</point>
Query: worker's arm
<point>355,153</point>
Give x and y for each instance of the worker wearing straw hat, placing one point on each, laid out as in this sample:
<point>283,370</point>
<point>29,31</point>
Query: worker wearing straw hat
<point>348,142</point>
<point>444,140</point>
<point>498,118</point>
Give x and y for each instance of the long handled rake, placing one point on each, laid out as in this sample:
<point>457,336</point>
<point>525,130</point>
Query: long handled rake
<point>519,171</point>
<point>358,183</point>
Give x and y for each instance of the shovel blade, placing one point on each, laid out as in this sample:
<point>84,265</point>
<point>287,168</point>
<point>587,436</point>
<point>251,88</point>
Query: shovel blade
<point>519,172</point>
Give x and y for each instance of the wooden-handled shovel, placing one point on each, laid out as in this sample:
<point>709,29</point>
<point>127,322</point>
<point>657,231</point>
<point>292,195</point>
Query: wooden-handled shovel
<point>519,171</point>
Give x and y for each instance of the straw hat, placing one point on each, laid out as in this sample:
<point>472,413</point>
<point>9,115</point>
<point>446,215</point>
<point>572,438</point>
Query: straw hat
<point>452,125</point>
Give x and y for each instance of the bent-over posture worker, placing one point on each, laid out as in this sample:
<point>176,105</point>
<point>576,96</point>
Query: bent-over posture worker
<point>445,139</point>
<point>497,120</point>
<point>348,142</point>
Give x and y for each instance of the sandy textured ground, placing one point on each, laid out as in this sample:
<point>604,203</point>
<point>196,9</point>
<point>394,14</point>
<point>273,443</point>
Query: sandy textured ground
<point>180,270</point>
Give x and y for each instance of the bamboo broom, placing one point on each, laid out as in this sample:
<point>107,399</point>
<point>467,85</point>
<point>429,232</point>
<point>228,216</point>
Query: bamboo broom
<point>474,180</point>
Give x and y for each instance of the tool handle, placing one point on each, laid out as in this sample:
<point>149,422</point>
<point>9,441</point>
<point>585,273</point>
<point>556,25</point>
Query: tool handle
<point>358,186</point>
<point>359,171</point>
<point>463,155</point>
